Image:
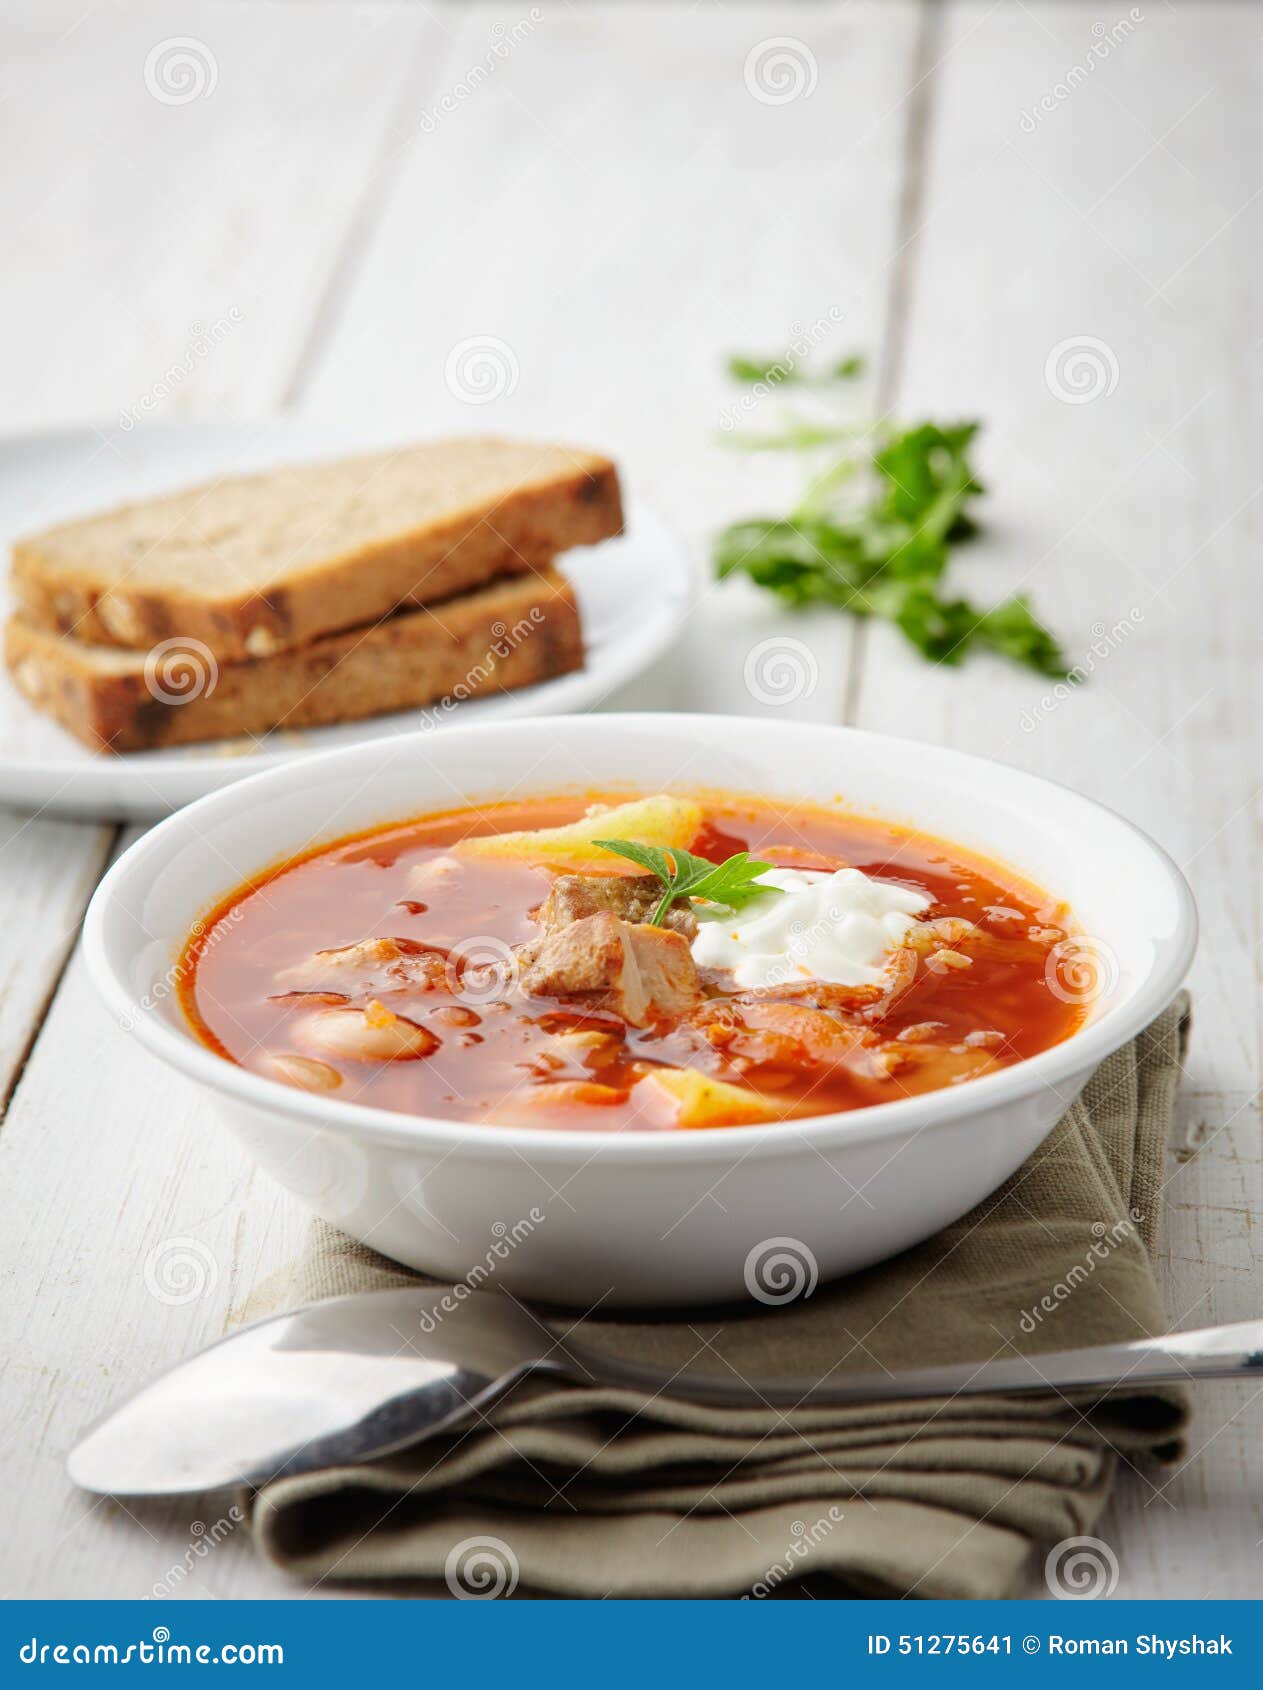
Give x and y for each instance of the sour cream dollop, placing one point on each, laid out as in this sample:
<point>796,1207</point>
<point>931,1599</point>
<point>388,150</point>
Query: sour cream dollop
<point>837,927</point>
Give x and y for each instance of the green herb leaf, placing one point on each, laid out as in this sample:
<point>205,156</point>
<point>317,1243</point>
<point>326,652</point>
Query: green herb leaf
<point>731,883</point>
<point>771,370</point>
<point>885,552</point>
<point>1014,630</point>
<point>785,369</point>
<point>652,857</point>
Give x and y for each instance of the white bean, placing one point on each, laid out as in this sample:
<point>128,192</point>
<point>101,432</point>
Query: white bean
<point>304,1071</point>
<point>357,1035</point>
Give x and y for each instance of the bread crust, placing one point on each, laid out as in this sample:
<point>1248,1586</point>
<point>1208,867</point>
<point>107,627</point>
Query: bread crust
<point>74,578</point>
<point>503,636</point>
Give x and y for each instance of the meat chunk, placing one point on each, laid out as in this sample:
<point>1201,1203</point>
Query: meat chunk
<point>642,973</point>
<point>752,1032</point>
<point>634,897</point>
<point>374,965</point>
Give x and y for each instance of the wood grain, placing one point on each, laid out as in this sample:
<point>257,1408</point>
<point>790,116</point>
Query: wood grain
<point>152,223</point>
<point>655,216</point>
<point>175,253</point>
<point>598,219</point>
<point>609,201</point>
<point>1120,228</point>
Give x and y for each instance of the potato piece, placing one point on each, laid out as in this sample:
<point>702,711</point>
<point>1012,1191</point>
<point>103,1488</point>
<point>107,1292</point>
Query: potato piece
<point>702,1101</point>
<point>578,1041</point>
<point>585,1045</point>
<point>371,1035</point>
<point>660,820</point>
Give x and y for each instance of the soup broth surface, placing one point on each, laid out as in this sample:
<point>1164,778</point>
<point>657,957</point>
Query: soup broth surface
<point>493,1053</point>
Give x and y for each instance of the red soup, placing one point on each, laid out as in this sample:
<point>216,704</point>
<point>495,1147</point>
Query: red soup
<point>496,965</point>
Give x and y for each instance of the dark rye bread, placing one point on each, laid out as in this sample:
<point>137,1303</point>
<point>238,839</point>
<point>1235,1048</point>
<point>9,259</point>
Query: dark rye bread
<point>505,635</point>
<point>257,564</point>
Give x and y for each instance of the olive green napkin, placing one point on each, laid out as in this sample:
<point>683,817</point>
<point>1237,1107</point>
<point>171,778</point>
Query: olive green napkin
<point>579,1491</point>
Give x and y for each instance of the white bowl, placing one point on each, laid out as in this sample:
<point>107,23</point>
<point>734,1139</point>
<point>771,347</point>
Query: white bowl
<point>649,1218</point>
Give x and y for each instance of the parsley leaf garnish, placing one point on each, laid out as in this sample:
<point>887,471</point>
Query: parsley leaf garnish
<point>730,884</point>
<point>874,533</point>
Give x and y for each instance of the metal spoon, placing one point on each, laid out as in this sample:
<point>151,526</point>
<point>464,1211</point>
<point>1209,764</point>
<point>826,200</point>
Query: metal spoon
<point>357,1377</point>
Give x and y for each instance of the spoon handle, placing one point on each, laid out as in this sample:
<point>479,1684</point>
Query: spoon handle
<point>1213,1352</point>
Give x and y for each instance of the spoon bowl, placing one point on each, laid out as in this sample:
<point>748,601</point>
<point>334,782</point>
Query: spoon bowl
<point>334,1382</point>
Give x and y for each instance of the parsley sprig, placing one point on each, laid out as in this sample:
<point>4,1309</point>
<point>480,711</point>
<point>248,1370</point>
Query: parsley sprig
<point>729,884</point>
<point>875,531</point>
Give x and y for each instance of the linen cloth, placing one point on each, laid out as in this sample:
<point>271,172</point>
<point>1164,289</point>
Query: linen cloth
<point>574,1490</point>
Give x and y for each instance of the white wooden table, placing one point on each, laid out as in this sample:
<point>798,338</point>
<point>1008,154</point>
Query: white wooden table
<point>952,189</point>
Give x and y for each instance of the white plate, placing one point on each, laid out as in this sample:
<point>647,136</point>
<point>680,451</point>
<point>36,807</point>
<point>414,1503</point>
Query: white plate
<point>633,593</point>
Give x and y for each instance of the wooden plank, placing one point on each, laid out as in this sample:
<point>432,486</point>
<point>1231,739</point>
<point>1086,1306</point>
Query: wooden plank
<point>152,223</point>
<point>1116,223</point>
<point>605,225</point>
<point>181,196</point>
<point>143,1228</point>
<point>167,275</point>
<point>47,872</point>
<point>570,228</point>
<point>700,182</point>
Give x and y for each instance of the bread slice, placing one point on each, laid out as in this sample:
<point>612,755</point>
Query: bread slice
<point>257,564</point>
<point>505,635</point>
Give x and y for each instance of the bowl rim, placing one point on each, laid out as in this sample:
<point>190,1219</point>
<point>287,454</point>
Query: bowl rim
<point>1082,1050</point>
